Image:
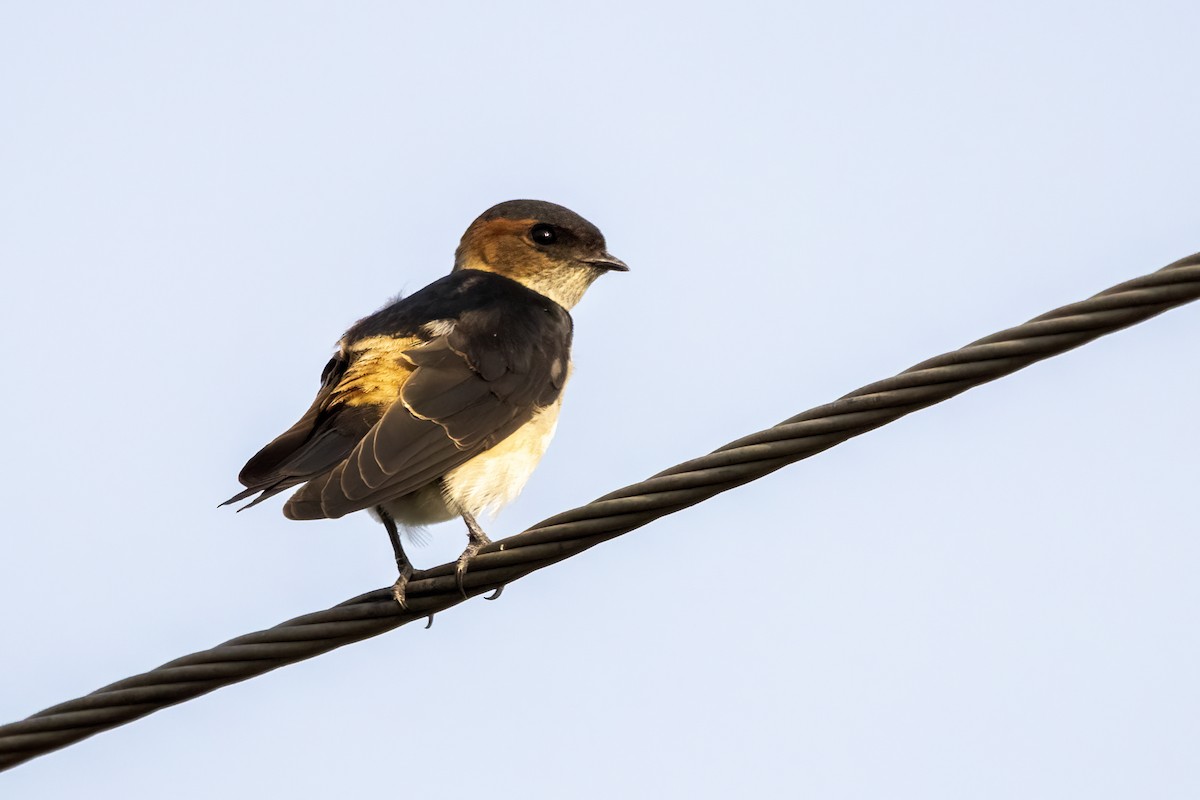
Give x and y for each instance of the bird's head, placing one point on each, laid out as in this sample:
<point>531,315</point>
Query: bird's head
<point>547,248</point>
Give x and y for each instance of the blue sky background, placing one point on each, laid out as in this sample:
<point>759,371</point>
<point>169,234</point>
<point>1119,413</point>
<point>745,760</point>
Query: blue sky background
<point>995,598</point>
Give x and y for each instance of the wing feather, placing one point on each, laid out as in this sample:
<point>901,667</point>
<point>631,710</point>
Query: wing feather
<point>504,356</point>
<point>321,438</point>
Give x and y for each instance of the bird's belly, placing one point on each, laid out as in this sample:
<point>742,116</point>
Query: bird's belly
<point>426,506</point>
<point>494,478</point>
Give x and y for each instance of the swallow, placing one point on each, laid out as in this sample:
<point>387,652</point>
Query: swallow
<point>441,404</point>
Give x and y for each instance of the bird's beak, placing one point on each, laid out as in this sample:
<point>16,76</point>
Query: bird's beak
<point>609,262</point>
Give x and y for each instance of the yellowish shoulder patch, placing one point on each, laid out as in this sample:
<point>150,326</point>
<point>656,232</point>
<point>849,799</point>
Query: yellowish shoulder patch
<point>377,371</point>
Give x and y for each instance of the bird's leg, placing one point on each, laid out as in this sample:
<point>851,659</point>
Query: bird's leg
<point>476,540</point>
<point>402,562</point>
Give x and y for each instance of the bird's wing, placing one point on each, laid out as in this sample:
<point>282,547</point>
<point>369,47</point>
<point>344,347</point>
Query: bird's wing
<point>469,388</point>
<point>321,438</point>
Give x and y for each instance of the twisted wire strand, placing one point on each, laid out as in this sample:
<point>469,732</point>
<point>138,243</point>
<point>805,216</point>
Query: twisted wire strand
<point>623,510</point>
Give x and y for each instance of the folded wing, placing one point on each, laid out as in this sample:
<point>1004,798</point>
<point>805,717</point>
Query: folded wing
<point>462,392</point>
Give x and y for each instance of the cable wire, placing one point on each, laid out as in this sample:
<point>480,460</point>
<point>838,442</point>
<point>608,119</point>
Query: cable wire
<point>579,529</point>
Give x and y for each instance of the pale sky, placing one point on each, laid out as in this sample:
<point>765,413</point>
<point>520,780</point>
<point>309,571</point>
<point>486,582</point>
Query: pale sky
<point>994,598</point>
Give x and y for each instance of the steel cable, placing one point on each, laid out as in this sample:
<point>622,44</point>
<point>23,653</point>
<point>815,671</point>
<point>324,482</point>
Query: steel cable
<point>574,531</point>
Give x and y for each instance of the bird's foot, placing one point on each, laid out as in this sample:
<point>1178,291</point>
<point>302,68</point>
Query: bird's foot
<point>478,541</point>
<point>401,584</point>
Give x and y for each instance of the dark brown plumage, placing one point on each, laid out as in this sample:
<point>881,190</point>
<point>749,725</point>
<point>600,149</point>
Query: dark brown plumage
<point>441,403</point>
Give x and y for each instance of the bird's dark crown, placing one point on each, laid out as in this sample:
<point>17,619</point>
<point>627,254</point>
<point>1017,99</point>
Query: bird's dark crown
<point>546,213</point>
<point>541,245</point>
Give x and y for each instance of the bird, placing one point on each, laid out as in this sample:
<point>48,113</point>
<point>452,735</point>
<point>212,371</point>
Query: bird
<point>442,403</point>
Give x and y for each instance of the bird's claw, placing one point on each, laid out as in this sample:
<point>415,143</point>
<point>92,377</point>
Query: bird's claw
<point>401,584</point>
<point>460,568</point>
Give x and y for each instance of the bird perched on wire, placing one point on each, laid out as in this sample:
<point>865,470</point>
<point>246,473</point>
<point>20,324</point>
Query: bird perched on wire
<point>442,403</point>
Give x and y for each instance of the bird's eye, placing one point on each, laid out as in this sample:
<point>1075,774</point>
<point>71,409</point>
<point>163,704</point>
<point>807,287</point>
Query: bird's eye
<point>543,234</point>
